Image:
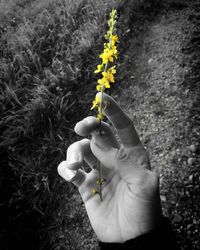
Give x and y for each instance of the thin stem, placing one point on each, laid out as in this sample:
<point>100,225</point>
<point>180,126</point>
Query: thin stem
<point>98,162</point>
<point>100,120</point>
<point>100,179</point>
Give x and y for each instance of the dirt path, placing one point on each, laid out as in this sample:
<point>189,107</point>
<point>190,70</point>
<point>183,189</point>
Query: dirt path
<point>161,103</point>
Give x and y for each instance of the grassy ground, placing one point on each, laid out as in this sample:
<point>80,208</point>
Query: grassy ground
<point>48,51</point>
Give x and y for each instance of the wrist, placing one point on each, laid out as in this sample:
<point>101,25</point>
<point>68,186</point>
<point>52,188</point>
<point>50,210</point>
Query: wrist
<point>151,219</point>
<point>146,218</point>
<point>161,233</point>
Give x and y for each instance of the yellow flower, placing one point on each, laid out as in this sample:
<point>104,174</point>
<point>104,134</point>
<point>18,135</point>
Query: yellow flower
<point>95,103</point>
<point>103,83</point>
<point>108,76</point>
<point>107,85</point>
<point>114,39</point>
<point>99,87</point>
<point>113,51</point>
<point>99,68</point>
<point>112,70</point>
<point>107,56</point>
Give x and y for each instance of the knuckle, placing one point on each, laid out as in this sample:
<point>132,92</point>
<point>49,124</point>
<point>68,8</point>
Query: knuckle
<point>147,185</point>
<point>84,141</point>
<point>72,146</point>
<point>151,180</point>
<point>61,167</point>
<point>75,146</point>
<point>121,155</point>
<point>139,155</point>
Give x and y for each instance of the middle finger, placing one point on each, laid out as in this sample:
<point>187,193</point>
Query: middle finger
<point>122,123</point>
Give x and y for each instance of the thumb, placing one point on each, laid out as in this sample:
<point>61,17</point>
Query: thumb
<point>106,155</point>
<point>104,137</point>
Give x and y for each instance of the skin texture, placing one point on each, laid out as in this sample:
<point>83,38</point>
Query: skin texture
<point>131,203</point>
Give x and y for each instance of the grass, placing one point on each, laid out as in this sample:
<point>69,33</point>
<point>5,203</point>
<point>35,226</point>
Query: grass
<point>47,84</point>
<point>48,52</point>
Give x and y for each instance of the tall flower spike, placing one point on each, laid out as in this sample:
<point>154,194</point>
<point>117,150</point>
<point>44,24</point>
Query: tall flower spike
<point>107,70</point>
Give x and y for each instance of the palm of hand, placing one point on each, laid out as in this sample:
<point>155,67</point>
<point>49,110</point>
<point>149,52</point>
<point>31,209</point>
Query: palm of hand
<point>128,201</point>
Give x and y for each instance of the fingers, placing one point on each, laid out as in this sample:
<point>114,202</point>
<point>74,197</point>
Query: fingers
<point>83,181</point>
<point>77,177</point>
<point>102,134</point>
<point>86,126</point>
<point>71,172</point>
<point>76,154</point>
<point>122,123</point>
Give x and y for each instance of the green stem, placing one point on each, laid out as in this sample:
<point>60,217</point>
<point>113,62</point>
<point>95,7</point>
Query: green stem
<point>98,162</point>
<point>100,179</point>
<point>100,120</point>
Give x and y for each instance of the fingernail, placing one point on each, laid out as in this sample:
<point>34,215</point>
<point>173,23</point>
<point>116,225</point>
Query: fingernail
<point>73,158</point>
<point>96,139</point>
<point>88,120</point>
<point>70,174</point>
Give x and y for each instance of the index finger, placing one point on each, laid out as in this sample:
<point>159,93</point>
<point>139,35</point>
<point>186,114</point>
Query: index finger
<point>122,123</point>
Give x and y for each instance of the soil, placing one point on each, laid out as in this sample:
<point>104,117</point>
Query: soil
<point>163,101</point>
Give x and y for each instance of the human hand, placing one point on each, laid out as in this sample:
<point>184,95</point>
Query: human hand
<point>131,203</point>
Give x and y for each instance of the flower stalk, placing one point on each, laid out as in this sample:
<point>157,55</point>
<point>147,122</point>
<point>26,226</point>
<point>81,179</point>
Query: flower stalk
<point>107,70</point>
